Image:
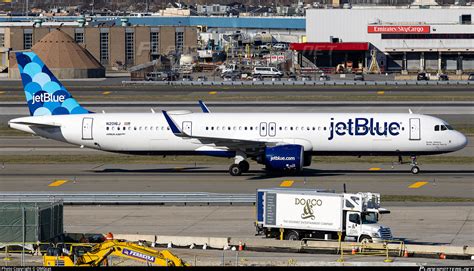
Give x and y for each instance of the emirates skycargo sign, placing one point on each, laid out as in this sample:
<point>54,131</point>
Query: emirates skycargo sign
<point>398,29</point>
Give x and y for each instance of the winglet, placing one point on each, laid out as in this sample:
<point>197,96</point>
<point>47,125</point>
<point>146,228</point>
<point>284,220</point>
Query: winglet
<point>204,107</point>
<point>173,126</point>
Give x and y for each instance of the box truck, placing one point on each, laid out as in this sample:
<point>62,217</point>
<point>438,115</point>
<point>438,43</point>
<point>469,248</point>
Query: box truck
<point>294,214</point>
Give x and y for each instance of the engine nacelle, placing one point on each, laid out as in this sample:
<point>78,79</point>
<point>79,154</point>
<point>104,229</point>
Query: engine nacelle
<point>284,157</point>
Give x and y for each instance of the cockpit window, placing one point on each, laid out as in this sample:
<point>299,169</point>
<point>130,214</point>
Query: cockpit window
<point>436,128</point>
<point>443,128</point>
<point>449,127</point>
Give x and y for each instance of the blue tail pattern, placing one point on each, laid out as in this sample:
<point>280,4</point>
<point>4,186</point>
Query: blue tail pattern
<point>44,93</point>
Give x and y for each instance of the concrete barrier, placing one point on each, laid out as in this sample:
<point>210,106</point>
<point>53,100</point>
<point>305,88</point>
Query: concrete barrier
<point>264,244</point>
<point>283,83</point>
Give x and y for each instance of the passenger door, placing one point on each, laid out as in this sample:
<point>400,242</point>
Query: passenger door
<point>353,224</point>
<point>87,124</point>
<point>415,132</point>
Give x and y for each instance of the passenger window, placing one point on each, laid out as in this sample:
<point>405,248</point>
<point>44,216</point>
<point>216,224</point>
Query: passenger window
<point>168,128</point>
<point>217,128</point>
<point>291,128</point>
<point>212,128</point>
<point>245,128</point>
<point>251,128</point>
<point>107,128</point>
<point>228,128</point>
<point>314,128</point>
<point>207,128</point>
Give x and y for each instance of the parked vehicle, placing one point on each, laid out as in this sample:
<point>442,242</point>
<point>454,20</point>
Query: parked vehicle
<point>232,75</point>
<point>229,68</point>
<point>187,77</point>
<point>470,77</point>
<point>324,77</point>
<point>422,76</point>
<point>202,79</point>
<point>359,77</point>
<point>443,77</point>
<point>305,78</point>
<point>266,72</point>
<point>308,213</point>
<point>160,76</point>
<point>280,46</point>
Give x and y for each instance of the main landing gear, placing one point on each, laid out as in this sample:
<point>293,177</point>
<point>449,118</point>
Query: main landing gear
<point>240,165</point>
<point>414,165</point>
<point>238,169</point>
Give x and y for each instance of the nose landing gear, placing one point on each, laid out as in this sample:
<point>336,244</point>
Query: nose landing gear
<point>414,165</point>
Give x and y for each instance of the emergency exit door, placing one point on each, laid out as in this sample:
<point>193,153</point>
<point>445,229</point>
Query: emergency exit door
<point>188,127</point>
<point>415,133</point>
<point>87,128</point>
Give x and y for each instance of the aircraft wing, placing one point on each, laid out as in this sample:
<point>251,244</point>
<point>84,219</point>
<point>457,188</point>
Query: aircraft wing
<point>248,146</point>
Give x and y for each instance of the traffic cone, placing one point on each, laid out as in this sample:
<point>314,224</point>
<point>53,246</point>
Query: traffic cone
<point>354,251</point>
<point>405,254</point>
<point>241,247</point>
<point>442,256</point>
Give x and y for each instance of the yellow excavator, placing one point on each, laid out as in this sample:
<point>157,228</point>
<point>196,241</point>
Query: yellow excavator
<point>97,254</point>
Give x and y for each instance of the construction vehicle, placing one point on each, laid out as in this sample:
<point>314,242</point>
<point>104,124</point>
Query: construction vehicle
<point>97,254</point>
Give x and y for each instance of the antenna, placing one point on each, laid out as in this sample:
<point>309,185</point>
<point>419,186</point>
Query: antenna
<point>152,111</point>
<point>409,111</point>
<point>344,187</point>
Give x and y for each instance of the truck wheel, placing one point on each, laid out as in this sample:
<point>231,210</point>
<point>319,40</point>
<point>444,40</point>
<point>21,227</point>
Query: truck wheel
<point>365,239</point>
<point>293,235</point>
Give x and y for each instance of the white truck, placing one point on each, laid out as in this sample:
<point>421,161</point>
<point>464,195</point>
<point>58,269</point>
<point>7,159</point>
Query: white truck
<point>294,214</point>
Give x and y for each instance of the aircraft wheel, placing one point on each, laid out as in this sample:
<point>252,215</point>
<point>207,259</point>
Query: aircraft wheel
<point>244,166</point>
<point>415,170</point>
<point>235,170</point>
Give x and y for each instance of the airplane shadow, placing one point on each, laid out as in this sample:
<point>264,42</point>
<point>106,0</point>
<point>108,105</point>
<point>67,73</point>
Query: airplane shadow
<point>262,174</point>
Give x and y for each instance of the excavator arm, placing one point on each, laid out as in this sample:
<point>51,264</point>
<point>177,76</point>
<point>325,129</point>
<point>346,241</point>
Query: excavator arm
<point>98,255</point>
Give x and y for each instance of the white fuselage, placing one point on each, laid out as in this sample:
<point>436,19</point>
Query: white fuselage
<point>318,133</point>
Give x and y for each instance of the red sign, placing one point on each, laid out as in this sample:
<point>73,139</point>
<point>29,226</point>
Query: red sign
<point>399,29</point>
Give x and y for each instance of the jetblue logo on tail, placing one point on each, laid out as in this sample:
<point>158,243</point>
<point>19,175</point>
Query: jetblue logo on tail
<point>47,97</point>
<point>362,127</point>
<point>44,93</point>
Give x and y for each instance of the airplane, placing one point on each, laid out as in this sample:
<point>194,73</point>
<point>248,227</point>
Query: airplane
<point>284,142</point>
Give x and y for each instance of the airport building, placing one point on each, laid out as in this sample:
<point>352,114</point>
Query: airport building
<point>115,47</point>
<point>401,39</point>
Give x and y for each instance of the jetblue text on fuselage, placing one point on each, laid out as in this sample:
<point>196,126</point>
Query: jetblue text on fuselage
<point>45,97</point>
<point>361,127</point>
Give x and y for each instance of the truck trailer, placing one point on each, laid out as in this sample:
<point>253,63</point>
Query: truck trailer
<point>295,214</point>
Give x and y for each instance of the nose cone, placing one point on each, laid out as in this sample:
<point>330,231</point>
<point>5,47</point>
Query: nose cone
<point>460,141</point>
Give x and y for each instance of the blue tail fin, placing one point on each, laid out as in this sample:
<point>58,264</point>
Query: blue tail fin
<point>44,93</point>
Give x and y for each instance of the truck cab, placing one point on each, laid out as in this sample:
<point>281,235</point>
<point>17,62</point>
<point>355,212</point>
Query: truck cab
<point>362,212</point>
